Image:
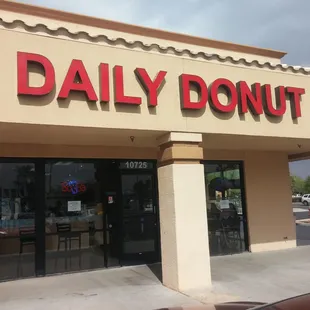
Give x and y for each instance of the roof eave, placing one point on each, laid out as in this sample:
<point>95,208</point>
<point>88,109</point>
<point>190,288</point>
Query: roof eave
<point>134,29</point>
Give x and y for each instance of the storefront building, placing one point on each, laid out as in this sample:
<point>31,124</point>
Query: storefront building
<point>121,145</point>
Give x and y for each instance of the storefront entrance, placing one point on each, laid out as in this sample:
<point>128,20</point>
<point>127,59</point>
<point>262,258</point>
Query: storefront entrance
<point>66,215</point>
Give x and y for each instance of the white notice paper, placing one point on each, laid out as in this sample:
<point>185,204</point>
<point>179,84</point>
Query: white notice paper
<point>74,206</point>
<point>224,204</point>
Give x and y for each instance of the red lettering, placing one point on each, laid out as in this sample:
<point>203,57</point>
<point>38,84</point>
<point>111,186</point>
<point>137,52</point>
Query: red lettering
<point>255,98</point>
<point>152,88</point>
<point>232,95</point>
<point>77,80</point>
<point>23,88</point>
<point>280,101</point>
<point>250,99</point>
<point>186,80</point>
<point>295,98</point>
<point>119,96</point>
<point>104,83</point>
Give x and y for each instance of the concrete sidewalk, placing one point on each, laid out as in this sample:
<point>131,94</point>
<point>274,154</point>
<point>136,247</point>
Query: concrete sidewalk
<point>262,277</point>
<point>124,288</point>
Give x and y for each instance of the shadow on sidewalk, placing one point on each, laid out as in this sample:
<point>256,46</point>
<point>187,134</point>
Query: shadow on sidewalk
<point>157,270</point>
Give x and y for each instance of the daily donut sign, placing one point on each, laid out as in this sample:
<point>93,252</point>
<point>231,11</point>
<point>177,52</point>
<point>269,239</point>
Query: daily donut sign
<point>256,98</point>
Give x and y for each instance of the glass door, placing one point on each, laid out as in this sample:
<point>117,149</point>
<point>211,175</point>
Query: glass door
<point>74,237</point>
<point>139,242</point>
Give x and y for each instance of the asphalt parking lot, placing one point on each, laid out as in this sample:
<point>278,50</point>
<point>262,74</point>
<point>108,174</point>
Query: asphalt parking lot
<point>302,231</point>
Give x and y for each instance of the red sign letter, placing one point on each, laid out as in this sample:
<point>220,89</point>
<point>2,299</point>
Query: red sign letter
<point>104,83</point>
<point>152,88</point>
<point>119,96</point>
<point>295,94</point>
<point>77,79</point>
<point>23,88</point>
<point>250,99</point>
<point>280,101</point>
<point>186,80</point>
<point>232,95</point>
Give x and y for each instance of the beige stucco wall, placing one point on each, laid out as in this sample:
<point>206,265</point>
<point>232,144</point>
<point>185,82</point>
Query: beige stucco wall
<point>166,117</point>
<point>271,223</point>
<point>270,215</point>
<point>75,151</point>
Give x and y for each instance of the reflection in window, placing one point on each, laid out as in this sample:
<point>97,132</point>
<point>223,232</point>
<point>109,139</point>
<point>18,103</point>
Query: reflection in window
<point>137,193</point>
<point>69,181</point>
<point>139,218</point>
<point>17,227</point>
<point>225,208</point>
<point>74,220</point>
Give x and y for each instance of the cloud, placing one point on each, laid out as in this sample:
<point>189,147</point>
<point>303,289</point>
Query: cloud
<point>276,24</point>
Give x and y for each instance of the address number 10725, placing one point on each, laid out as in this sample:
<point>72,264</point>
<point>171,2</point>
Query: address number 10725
<point>135,165</point>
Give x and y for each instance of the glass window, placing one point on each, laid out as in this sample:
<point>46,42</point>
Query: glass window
<point>17,225</point>
<point>137,194</point>
<point>139,217</point>
<point>225,208</point>
<point>74,217</point>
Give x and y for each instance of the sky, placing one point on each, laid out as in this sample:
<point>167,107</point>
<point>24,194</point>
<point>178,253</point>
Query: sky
<point>277,24</point>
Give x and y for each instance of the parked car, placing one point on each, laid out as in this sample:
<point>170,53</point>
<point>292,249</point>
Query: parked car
<point>301,302</point>
<point>296,197</point>
<point>305,199</point>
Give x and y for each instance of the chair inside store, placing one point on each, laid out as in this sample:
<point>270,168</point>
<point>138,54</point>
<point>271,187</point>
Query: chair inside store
<point>26,238</point>
<point>224,221</point>
<point>27,243</point>
<point>67,236</point>
<point>224,231</point>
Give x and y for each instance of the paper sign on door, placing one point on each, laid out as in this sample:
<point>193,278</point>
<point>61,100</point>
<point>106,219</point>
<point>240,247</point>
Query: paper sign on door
<point>74,206</point>
<point>224,204</point>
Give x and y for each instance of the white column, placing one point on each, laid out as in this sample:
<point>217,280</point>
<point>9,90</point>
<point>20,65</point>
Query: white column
<point>183,217</point>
